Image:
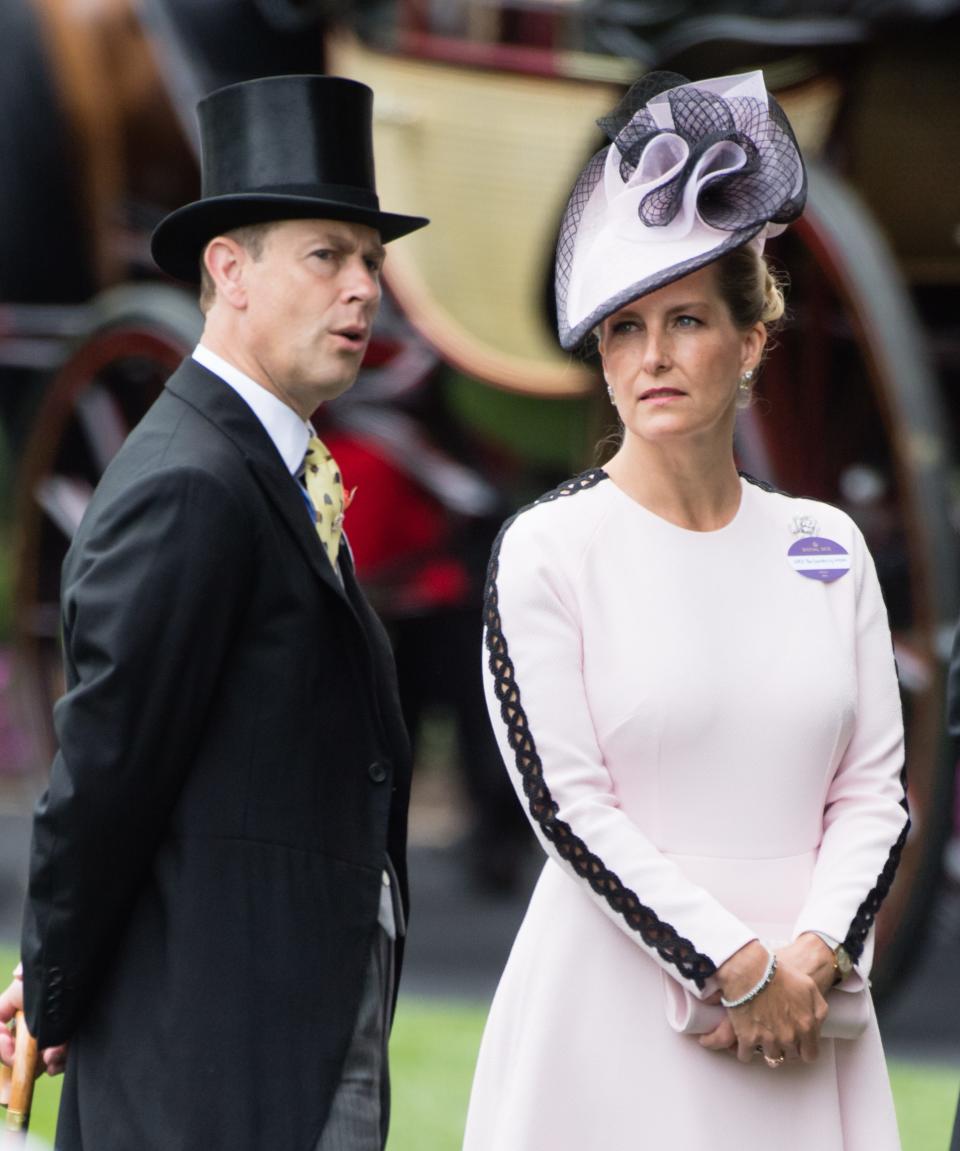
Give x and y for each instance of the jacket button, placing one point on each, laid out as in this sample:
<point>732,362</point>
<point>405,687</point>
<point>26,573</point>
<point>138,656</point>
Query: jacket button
<point>377,771</point>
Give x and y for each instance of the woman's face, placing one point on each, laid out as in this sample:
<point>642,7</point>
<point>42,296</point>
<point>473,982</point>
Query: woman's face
<point>674,360</point>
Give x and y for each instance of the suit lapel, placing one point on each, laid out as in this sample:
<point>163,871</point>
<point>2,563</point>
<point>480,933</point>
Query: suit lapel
<point>216,400</point>
<point>219,403</point>
<point>281,489</point>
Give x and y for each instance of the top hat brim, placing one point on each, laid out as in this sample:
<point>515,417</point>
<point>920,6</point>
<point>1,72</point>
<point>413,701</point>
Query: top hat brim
<point>179,239</point>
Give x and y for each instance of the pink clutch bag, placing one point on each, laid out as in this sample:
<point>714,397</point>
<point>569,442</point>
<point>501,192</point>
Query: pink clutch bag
<point>849,1011</point>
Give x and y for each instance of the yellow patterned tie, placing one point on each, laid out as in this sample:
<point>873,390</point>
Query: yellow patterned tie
<point>325,488</point>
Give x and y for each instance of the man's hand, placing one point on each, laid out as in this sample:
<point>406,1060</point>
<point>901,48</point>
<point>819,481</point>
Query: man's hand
<point>11,1001</point>
<point>53,1060</point>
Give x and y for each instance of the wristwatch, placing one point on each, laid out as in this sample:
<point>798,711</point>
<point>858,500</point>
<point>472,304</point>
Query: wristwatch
<point>842,964</point>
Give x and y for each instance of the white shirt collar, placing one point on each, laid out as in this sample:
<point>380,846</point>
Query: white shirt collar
<point>288,432</point>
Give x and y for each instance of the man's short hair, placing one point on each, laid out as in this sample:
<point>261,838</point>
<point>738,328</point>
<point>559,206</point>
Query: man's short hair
<point>252,237</point>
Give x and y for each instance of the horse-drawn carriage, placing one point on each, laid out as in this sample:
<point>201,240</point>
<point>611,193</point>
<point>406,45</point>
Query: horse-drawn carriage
<point>482,120</point>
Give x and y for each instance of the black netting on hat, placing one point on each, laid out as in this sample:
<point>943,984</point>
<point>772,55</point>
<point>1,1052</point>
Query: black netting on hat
<point>630,125</point>
<point>569,226</point>
<point>632,141</point>
<point>636,100</point>
<point>769,187</point>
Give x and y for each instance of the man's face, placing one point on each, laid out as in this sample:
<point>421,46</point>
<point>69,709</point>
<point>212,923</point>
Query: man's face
<point>311,298</point>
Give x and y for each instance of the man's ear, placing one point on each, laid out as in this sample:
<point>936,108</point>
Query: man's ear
<point>225,261</point>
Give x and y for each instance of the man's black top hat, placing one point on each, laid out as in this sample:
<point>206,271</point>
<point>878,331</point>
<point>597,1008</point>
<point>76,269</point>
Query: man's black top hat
<point>279,148</point>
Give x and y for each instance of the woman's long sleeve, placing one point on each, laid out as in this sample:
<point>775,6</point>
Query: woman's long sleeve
<point>539,711</point>
<point>865,815</point>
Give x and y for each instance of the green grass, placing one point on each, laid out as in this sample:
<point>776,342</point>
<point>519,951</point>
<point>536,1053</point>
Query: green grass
<point>433,1050</point>
<point>926,1098</point>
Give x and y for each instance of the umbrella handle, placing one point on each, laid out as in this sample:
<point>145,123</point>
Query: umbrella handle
<point>22,1079</point>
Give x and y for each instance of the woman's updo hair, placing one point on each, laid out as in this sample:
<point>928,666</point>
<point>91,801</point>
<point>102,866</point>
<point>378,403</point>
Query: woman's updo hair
<point>752,292</point>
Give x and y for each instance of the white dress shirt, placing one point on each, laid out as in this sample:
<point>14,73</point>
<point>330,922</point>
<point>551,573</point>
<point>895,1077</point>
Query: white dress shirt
<point>290,434</point>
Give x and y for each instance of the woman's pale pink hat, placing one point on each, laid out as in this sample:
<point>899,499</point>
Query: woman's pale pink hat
<point>693,170</point>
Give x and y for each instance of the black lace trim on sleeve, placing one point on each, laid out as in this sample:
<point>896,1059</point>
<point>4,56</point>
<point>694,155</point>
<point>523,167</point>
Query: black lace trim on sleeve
<point>658,936</point>
<point>867,911</point>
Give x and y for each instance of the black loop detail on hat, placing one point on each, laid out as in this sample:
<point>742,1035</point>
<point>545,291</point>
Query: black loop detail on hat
<point>635,100</point>
<point>769,187</point>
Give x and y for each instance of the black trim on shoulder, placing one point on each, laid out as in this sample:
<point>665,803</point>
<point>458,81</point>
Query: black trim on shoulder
<point>765,485</point>
<point>658,936</point>
<point>579,483</point>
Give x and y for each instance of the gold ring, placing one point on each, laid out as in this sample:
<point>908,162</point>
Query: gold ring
<point>773,1063</point>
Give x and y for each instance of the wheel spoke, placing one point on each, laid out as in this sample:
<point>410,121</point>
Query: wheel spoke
<point>64,500</point>
<point>102,422</point>
<point>914,670</point>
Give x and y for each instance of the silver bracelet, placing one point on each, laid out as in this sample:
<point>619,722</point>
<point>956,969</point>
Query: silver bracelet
<point>754,991</point>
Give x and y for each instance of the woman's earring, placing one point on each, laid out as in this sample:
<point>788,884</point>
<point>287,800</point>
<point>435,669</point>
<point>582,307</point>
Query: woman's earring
<point>746,383</point>
<point>610,394</point>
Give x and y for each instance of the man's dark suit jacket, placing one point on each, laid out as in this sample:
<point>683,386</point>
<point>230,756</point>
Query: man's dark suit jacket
<point>207,861</point>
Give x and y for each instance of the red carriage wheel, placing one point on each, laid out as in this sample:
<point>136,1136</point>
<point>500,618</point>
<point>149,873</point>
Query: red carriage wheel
<point>138,336</point>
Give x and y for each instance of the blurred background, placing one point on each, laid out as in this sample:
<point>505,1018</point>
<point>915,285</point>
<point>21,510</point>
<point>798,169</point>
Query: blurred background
<point>466,409</point>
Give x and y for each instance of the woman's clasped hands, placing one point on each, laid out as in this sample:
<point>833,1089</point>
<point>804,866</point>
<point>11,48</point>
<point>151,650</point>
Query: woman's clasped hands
<point>782,1022</point>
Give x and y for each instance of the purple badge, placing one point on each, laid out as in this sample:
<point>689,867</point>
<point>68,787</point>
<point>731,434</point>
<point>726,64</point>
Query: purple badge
<point>818,558</point>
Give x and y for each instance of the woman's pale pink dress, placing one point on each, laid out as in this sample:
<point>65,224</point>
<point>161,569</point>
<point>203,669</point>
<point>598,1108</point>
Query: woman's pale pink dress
<point>710,748</point>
